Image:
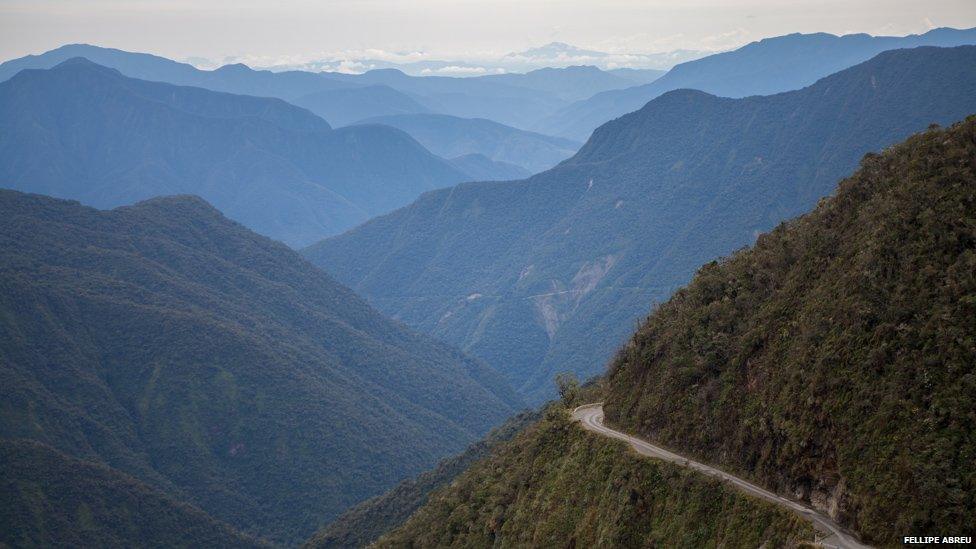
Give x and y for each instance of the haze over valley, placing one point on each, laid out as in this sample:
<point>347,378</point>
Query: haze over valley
<point>615,274</point>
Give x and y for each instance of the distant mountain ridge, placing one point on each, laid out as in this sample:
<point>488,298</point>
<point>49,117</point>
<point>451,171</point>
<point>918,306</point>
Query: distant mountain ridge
<point>515,100</point>
<point>769,66</point>
<point>238,79</point>
<point>482,168</point>
<point>450,136</point>
<point>553,55</point>
<point>551,273</point>
<point>218,367</point>
<point>86,132</point>
<point>345,106</point>
<point>570,83</point>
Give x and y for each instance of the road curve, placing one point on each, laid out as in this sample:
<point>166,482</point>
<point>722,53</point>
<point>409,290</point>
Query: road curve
<point>591,418</point>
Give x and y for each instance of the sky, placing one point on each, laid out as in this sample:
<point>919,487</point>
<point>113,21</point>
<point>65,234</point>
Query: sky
<point>266,33</point>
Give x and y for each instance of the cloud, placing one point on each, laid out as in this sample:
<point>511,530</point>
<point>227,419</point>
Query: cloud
<point>341,58</point>
<point>726,40</point>
<point>455,70</point>
<point>418,62</point>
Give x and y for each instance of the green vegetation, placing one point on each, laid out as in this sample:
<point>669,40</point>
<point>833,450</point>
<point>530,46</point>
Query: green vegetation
<point>52,500</point>
<point>369,520</point>
<point>552,273</point>
<point>217,366</point>
<point>366,522</point>
<point>836,359</point>
<point>556,485</point>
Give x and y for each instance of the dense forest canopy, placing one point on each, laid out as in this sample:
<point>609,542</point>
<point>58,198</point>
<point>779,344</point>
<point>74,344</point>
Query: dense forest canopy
<point>834,360</point>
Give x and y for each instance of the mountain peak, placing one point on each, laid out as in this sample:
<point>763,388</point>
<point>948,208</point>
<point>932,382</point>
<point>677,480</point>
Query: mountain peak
<point>186,202</point>
<point>81,65</point>
<point>391,70</point>
<point>235,68</point>
<point>81,62</point>
<point>556,49</point>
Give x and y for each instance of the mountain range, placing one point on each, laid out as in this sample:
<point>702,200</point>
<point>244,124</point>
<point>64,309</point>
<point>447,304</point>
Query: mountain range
<point>450,136</point>
<point>832,362</point>
<point>174,373</point>
<point>344,106</point>
<point>766,67</point>
<point>569,101</point>
<point>631,65</point>
<point>86,132</point>
<point>551,273</point>
<point>516,100</point>
<point>195,366</point>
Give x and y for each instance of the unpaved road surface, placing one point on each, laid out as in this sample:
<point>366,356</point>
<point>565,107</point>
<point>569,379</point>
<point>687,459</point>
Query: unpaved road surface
<point>834,536</point>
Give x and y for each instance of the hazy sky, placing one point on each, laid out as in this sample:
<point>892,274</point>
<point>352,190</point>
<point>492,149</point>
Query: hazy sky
<point>459,29</point>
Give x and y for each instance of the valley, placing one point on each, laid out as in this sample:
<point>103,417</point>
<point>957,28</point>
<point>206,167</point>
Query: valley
<point>384,274</point>
<point>551,273</point>
<point>816,419</point>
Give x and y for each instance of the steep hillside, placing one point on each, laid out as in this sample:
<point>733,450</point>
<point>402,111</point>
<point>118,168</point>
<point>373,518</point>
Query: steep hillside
<point>218,366</point>
<point>366,522</point>
<point>450,136</point>
<point>555,485</point>
<point>85,132</point>
<point>551,273</point>
<point>53,500</point>
<point>769,66</point>
<point>835,360</point>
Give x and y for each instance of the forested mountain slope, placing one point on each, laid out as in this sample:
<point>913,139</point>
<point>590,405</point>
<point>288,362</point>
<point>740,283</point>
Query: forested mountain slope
<point>835,360</point>
<point>215,365</point>
<point>85,132</point>
<point>53,500</point>
<point>551,273</point>
<point>769,66</point>
<point>366,522</point>
<point>555,485</point>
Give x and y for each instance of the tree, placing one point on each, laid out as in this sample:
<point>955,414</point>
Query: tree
<point>568,386</point>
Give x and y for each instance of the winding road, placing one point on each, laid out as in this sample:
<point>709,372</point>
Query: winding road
<point>834,536</point>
